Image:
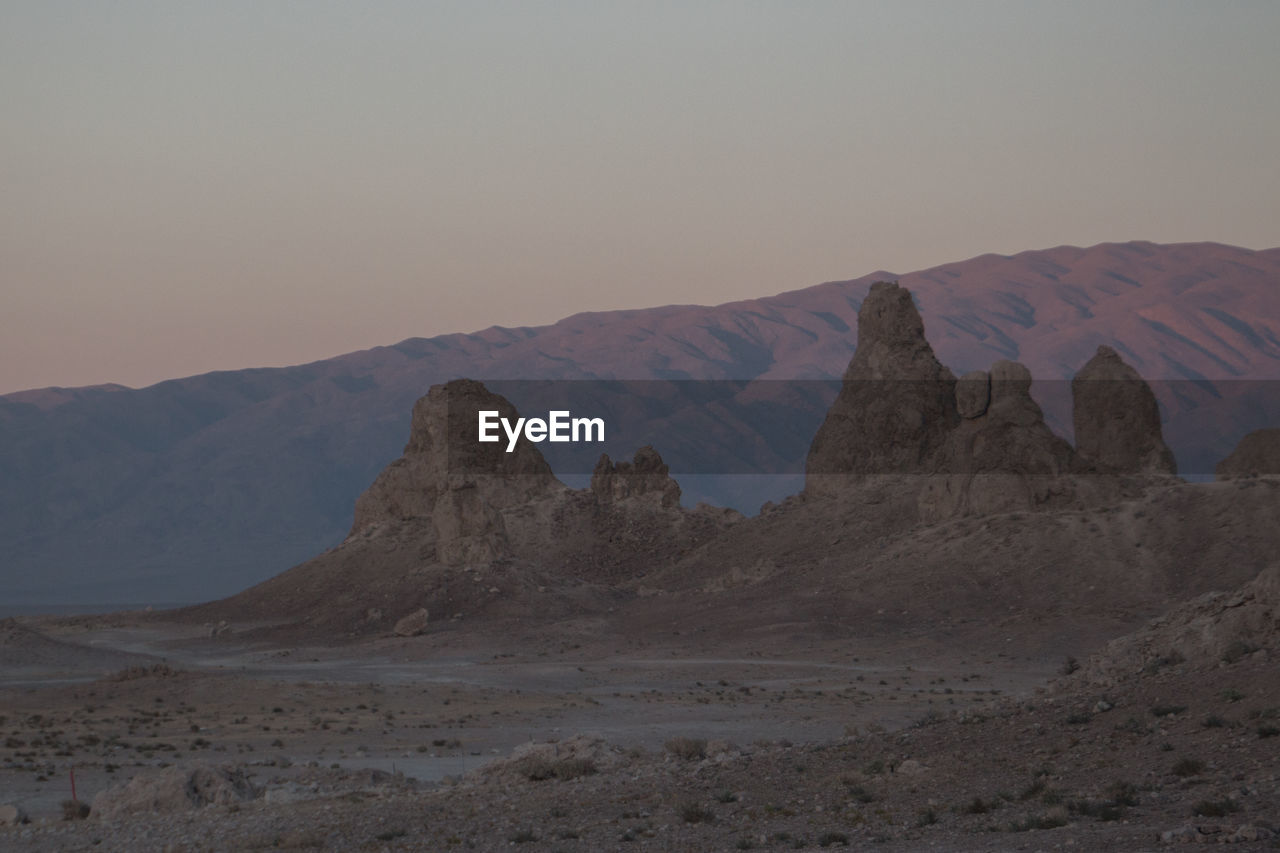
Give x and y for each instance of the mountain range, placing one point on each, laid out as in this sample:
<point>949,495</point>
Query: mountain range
<point>198,487</point>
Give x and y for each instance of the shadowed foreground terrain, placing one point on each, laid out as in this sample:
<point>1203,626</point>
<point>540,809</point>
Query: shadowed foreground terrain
<point>965,633</point>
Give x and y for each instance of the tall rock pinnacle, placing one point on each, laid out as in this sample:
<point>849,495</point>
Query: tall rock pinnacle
<point>1117,420</point>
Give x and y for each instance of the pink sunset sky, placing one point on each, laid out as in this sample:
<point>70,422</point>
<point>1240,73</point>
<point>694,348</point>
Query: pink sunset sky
<point>197,186</point>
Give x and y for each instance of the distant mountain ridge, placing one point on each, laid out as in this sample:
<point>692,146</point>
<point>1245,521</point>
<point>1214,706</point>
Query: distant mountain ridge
<point>198,487</point>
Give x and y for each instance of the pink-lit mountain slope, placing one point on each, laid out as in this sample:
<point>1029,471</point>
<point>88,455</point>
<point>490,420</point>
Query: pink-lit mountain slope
<point>197,487</point>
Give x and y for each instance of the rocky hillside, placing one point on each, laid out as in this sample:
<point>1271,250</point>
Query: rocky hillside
<point>201,486</point>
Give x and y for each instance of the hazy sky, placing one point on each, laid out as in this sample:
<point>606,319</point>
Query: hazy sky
<point>194,186</point>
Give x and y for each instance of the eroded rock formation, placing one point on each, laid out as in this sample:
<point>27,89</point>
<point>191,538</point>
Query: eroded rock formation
<point>897,404</point>
<point>1117,419</point>
<point>1001,460</point>
<point>979,444</point>
<point>1257,453</point>
<point>646,476</point>
<point>454,482</point>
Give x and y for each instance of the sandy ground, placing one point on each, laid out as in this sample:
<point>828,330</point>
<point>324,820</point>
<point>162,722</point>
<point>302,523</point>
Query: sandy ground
<point>407,706</point>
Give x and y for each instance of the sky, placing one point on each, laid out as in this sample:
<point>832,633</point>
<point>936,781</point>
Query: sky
<point>191,186</point>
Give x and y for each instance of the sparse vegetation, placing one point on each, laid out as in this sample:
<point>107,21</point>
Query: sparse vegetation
<point>1215,808</point>
<point>695,812</point>
<point>1237,650</point>
<point>1187,767</point>
<point>74,810</point>
<point>1038,822</point>
<point>539,768</point>
<point>689,749</point>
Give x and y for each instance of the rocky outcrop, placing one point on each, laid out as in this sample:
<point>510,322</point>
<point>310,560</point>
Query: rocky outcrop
<point>1005,458</point>
<point>413,624</point>
<point>173,789</point>
<point>1257,453</point>
<point>453,481</point>
<point>646,477</point>
<point>975,445</point>
<point>973,394</point>
<point>897,404</point>
<point>979,444</point>
<point>1117,419</point>
<point>1217,628</point>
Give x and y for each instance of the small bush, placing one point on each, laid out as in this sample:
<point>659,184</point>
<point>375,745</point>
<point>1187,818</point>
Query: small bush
<point>1035,789</point>
<point>861,794</point>
<point>391,835</point>
<point>1124,793</point>
<point>1236,650</point>
<point>1037,822</point>
<point>1266,731</point>
<point>1132,726</point>
<point>690,749</point>
<point>524,836</point>
<point>1099,809</point>
<point>927,817</point>
<point>1070,665</point>
<point>726,797</point>
<point>693,812</point>
<point>1188,767</point>
<point>976,806</point>
<point>1231,695</point>
<point>1215,808</point>
<point>1155,665</point>
<point>1079,719</point>
<point>827,839</point>
<point>538,768</point>
<point>572,768</point>
<point>1167,710</point>
<point>74,810</point>
<point>1213,721</point>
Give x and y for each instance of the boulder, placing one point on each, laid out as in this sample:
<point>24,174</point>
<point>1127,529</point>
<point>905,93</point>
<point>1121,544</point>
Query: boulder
<point>897,403</point>
<point>646,476</point>
<point>1117,419</point>
<point>413,624</point>
<point>12,815</point>
<point>973,394</point>
<point>1257,453</point>
<point>173,789</point>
